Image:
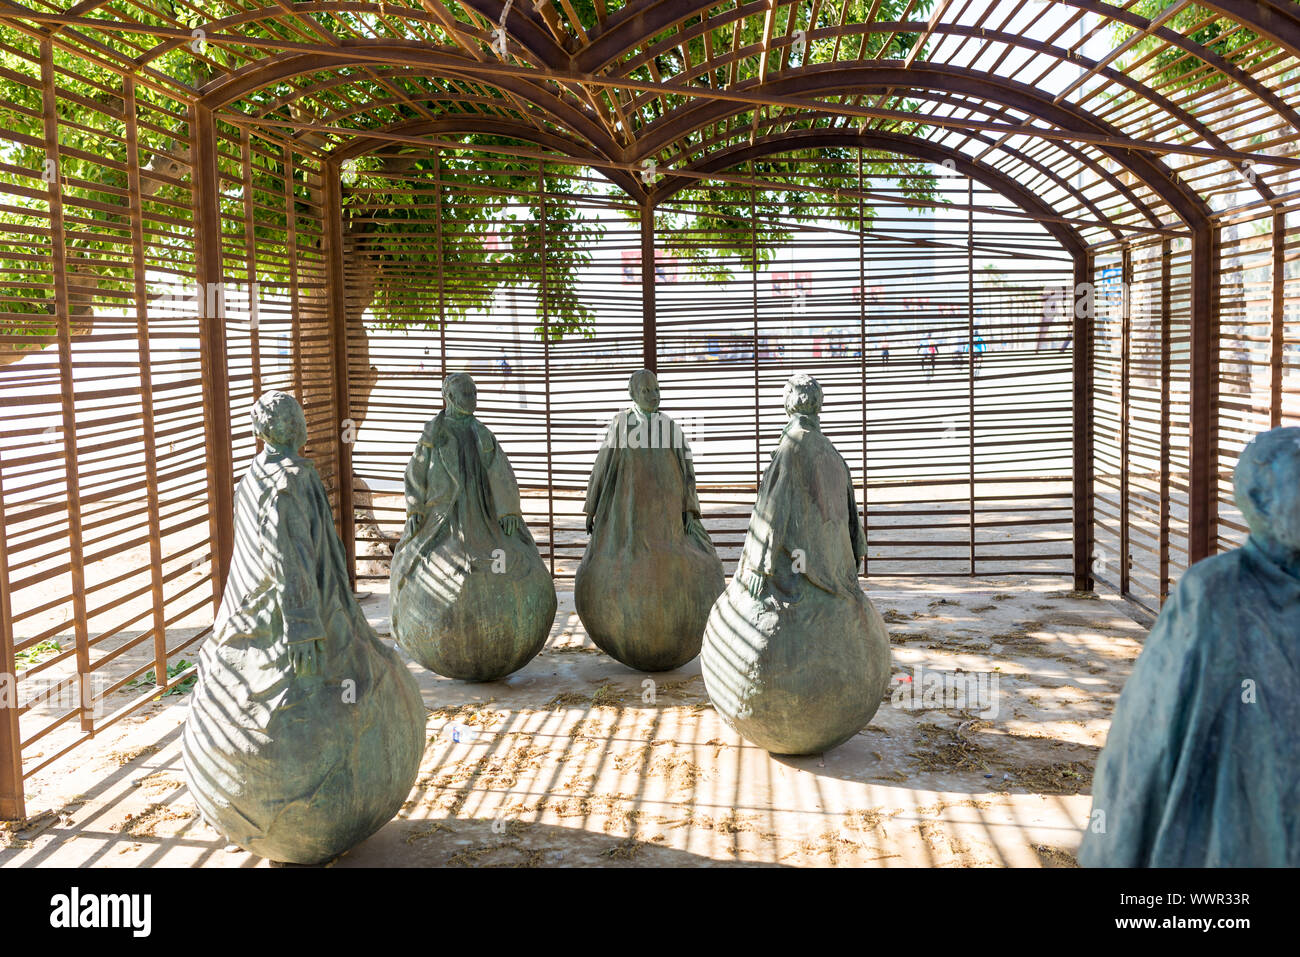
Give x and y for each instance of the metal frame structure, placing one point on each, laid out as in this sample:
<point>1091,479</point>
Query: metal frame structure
<point>210,145</point>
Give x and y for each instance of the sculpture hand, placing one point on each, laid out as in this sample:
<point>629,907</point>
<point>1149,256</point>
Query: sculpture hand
<point>509,524</point>
<point>693,525</point>
<point>305,656</point>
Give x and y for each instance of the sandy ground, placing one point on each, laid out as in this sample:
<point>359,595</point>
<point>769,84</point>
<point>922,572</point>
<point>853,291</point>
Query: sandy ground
<point>577,760</point>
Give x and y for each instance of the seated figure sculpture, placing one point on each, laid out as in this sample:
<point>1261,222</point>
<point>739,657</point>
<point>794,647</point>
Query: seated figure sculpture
<point>650,573</point>
<point>1201,767</point>
<point>471,597</point>
<point>795,658</point>
<point>305,732</point>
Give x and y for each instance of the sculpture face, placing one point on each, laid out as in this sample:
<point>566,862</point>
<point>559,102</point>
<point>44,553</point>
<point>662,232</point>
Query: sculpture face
<point>1267,487</point>
<point>803,395</point>
<point>278,420</point>
<point>460,394</point>
<point>644,388</point>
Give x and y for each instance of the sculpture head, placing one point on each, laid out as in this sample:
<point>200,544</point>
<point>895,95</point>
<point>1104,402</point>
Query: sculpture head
<point>278,421</point>
<point>460,393</point>
<point>644,389</point>
<point>1266,487</point>
<point>803,395</point>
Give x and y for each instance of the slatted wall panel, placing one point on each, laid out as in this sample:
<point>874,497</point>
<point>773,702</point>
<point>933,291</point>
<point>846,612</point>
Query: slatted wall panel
<point>1245,368</point>
<point>1141,395</point>
<point>107,576</point>
<point>546,314</point>
<point>274,296</point>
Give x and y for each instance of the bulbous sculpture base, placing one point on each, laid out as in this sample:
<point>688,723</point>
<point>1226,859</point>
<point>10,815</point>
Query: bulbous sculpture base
<point>648,610</point>
<point>480,625</point>
<point>797,679</point>
<point>298,769</point>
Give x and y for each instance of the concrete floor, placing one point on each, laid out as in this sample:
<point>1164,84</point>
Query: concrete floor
<point>577,760</point>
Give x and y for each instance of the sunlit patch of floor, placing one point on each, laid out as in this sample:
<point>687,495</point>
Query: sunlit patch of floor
<point>577,760</point>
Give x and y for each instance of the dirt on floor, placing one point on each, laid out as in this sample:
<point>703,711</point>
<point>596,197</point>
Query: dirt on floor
<point>982,755</point>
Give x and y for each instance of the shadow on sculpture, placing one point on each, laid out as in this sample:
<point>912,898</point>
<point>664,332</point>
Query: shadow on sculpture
<point>305,732</point>
<point>795,657</point>
<point>471,597</point>
<point>650,573</point>
<point>1202,763</point>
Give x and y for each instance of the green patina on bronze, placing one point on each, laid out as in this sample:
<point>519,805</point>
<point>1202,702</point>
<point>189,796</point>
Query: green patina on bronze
<point>305,732</point>
<point>650,574</point>
<point>471,597</point>
<point>795,657</point>
<point>1202,763</point>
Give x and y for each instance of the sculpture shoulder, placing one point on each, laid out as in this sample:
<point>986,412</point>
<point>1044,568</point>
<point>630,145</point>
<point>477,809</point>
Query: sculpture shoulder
<point>1214,572</point>
<point>433,429</point>
<point>484,438</point>
<point>1189,623</point>
<point>807,444</point>
<point>283,472</point>
<point>283,477</point>
<point>625,419</point>
<point>1207,582</point>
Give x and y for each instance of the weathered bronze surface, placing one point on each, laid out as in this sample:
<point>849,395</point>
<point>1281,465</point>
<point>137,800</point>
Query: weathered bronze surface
<point>305,732</point>
<point>471,597</point>
<point>650,573</point>
<point>1202,764</point>
<point>795,657</point>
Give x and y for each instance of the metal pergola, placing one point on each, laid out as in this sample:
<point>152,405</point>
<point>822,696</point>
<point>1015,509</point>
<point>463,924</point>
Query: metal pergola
<point>215,144</point>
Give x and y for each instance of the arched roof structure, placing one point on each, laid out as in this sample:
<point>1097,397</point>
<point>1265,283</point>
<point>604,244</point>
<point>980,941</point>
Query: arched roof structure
<point>1144,134</point>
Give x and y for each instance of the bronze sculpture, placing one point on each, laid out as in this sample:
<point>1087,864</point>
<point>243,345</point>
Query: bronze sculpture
<point>305,732</point>
<point>471,597</point>
<point>650,573</point>
<point>795,657</point>
<point>1201,766</point>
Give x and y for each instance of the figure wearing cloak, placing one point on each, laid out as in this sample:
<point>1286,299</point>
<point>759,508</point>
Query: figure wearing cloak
<point>305,732</point>
<point>650,573</point>
<point>795,658</point>
<point>471,597</point>
<point>1202,763</point>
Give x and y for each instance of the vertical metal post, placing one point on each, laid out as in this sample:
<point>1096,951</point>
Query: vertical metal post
<point>753,279</point>
<point>291,254</point>
<point>441,254</point>
<point>1125,397</point>
<point>970,354</point>
<point>12,804</point>
<point>212,347</point>
<point>336,303</point>
<point>1203,480</point>
<point>1084,311</point>
<point>546,362</point>
<point>1279,302</point>
<point>1166,401</point>
<point>250,264</point>
<point>67,388</point>
<point>649,319</point>
<point>148,437</point>
<point>862,321</point>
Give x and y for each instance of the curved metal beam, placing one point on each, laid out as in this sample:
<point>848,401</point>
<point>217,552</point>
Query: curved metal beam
<point>875,140</point>
<point>249,79</point>
<point>1082,158</point>
<point>1114,76</point>
<point>1275,19</point>
<point>365,144</point>
<point>834,78</point>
